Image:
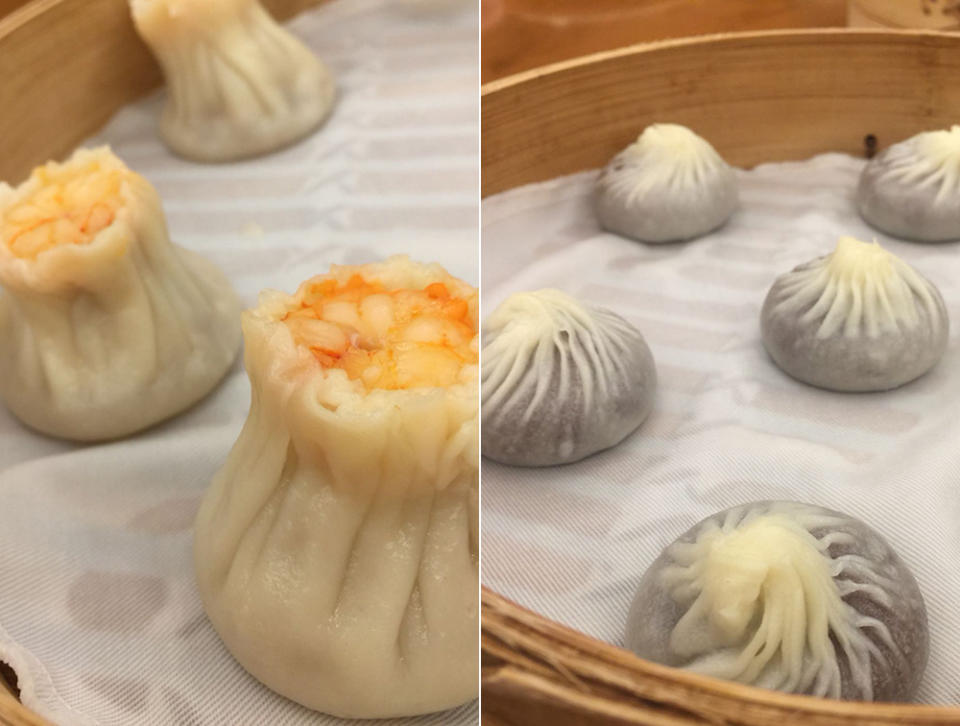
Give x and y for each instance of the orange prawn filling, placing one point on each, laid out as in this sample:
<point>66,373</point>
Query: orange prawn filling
<point>71,207</point>
<point>390,339</point>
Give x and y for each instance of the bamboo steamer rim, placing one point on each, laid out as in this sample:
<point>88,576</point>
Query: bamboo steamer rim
<point>707,39</point>
<point>520,114</point>
<point>536,671</point>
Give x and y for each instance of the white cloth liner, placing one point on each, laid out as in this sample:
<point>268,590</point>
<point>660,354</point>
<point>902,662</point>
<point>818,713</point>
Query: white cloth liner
<point>99,614</point>
<point>728,426</point>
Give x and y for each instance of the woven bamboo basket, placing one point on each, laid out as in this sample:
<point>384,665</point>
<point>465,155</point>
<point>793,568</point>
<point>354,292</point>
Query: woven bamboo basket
<point>757,97</point>
<point>66,67</point>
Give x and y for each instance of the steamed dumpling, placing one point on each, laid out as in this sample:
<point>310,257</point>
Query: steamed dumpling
<point>785,596</point>
<point>859,319</point>
<point>669,185</point>
<point>337,549</point>
<point>106,327</point>
<point>238,84</point>
<point>561,380</point>
<point>912,189</point>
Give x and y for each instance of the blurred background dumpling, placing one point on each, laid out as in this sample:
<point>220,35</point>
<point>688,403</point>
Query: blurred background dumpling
<point>560,380</point>
<point>238,84</point>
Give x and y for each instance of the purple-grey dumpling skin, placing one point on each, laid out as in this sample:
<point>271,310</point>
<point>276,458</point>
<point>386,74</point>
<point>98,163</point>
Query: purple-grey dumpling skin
<point>560,380</point>
<point>669,185</point>
<point>912,189</point>
<point>785,596</point>
<point>859,319</point>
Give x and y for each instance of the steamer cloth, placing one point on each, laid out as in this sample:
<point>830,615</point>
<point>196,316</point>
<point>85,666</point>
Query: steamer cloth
<point>728,427</point>
<point>99,613</point>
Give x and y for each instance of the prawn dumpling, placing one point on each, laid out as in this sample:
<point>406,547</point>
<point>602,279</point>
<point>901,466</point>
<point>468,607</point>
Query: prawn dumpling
<point>560,380</point>
<point>238,84</point>
<point>106,327</point>
<point>786,596</point>
<point>858,319</point>
<point>667,186</point>
<point>336,551</point>
<point>912,189</point>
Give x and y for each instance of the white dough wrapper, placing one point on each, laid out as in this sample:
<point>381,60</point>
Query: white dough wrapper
<point>858,319</point>
<point>786,596</point>
<point>667,186</point>
<point>336,551</point>
<point>911,190</point>
<point>560,380</point>
<point>113,331</point>
<point>238,84</point>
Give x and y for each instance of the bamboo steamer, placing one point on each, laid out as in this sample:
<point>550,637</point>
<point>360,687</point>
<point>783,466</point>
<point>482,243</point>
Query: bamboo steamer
<point>66,67</point>
<point>757,97</point>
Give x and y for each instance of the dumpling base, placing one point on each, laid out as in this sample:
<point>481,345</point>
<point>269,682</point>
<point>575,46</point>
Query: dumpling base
<point>219,140</point>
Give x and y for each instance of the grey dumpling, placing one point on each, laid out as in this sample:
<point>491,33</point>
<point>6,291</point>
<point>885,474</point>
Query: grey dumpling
<point>912,189</point>
<point>560,380</point>
<point>859,319</point>
<point>669,185</point>
<point>785,596</point>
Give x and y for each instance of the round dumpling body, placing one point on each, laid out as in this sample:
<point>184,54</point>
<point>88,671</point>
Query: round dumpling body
<point>669,185</point>
<point>238,84</point>
<point>912,189</point>
<point>106,326</point>
<point>560,380</point>
<point>337,550</point>
<point>786,596</point>
<point>858,319</point>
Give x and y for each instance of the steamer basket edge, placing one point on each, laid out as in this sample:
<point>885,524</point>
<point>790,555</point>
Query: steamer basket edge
<point>759,96</point>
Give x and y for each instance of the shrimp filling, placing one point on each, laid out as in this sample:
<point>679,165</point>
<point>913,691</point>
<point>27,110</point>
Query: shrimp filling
<point>389,339</point>
<point>73,204</point>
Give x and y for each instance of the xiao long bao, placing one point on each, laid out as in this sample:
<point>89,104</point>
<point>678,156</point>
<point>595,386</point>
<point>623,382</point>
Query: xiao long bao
<point>337,550</point>
<point>858,319</point>
<point>910,190</point>
<point>785,596</point>
<point>669,185</point>
<point>561,380</point>
<point>106,327</point>
<point>238,84</point>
